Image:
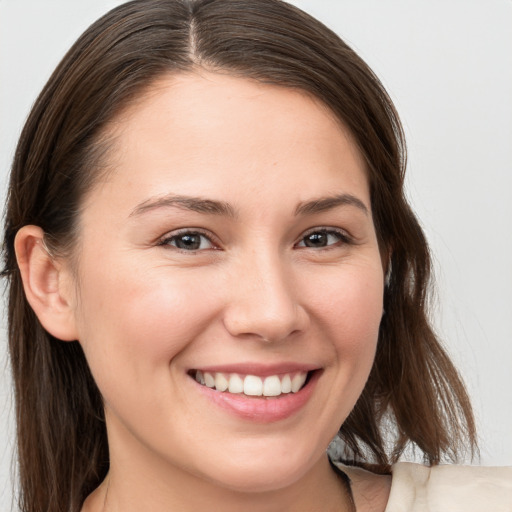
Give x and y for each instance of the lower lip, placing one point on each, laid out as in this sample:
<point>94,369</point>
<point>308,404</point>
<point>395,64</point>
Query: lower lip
<point>262,409</point>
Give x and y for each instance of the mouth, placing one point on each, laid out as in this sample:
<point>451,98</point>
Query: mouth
<point>255,386</point>
<point>257,393</point>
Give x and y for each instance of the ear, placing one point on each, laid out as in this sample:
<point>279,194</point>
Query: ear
<point>47,284</point>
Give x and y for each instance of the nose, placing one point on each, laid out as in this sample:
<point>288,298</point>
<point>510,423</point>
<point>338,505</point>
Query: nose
<point>263,303</point>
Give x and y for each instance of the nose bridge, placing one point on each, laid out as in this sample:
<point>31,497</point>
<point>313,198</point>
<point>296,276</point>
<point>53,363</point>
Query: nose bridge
<point>264,302</point>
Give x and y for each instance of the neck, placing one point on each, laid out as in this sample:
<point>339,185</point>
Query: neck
<point>125,491</point>
<point>140,478</point>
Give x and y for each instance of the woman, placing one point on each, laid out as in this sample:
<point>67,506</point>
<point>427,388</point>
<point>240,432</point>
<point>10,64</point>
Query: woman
<point>213,271</point>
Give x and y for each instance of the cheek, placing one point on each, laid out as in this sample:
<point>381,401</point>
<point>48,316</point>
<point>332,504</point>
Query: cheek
<point>351,298</point>
<point>132,325</point>
<point>350,312</point>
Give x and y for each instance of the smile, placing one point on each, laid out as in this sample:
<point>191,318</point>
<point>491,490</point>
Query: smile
<point>252,385</point>
<point>257,393</point>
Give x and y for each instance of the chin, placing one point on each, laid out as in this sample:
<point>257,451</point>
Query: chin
<point>259,473</point>
<point>258,480</point>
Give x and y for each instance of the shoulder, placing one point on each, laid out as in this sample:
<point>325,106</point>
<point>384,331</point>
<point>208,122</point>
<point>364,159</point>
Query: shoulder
<point>443,488</point>
<point>450,488</point>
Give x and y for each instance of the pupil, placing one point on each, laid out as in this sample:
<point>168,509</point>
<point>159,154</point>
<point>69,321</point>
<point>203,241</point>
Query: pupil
<point>316,240</point>
<point>190,242</point>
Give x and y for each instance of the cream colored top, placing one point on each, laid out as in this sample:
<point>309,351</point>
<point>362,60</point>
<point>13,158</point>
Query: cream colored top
<point>444,488</point>
<point>449,488</point>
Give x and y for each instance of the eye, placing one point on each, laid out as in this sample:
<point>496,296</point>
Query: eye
<point>320,238</point>
<point>188,241</point>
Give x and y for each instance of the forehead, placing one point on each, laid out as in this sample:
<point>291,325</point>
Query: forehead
<point>217,134</point>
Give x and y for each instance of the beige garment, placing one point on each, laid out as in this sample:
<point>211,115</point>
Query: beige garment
<point>450,488</point>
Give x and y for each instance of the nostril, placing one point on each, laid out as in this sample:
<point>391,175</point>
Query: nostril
<point>265,323</point>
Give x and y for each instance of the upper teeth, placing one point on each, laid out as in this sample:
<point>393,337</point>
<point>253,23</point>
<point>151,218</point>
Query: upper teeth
<point>252,385</point>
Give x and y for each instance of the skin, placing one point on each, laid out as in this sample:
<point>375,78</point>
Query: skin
<point>147,312</point>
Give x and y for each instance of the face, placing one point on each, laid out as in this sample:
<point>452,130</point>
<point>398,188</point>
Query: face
<point>229,283</point>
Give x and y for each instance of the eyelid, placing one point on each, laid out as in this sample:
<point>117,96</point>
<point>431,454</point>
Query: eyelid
<point>165,239</point>
<point>345,237</point>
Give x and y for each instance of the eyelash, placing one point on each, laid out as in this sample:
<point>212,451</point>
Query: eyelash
<point>166,241</point>
<point>343,239</point>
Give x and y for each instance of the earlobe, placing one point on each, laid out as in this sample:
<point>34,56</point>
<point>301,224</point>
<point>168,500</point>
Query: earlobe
<point>387,276</point>
<point>46,283</point>
<point>385,256</point>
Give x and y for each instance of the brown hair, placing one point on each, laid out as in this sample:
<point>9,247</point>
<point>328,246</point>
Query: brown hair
<point>413,395</point>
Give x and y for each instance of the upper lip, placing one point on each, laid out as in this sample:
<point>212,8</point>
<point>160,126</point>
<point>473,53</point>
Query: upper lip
<point>259,369</point>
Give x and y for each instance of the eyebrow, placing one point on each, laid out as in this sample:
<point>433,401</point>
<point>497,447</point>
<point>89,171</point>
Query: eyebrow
<point>222,208</point>
<point>328,203</point>
<point>195,204</point>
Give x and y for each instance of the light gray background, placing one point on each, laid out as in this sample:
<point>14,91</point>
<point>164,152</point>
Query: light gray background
<point>447,66</point>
